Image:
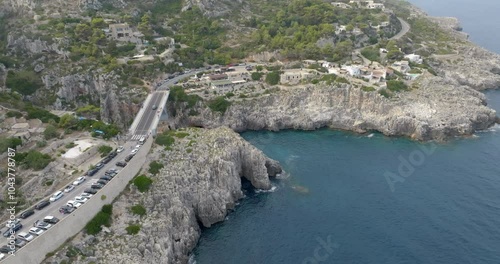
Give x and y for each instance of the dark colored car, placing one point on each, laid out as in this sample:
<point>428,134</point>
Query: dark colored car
<point>42,205</point>
<point>51,219</point>
<point>103,182</point>
<point>96,186</point>
<point>106,160</point>
<point>26,214</point>
<point>112,154</point>
<point>6,233</point>
<point>90,190</point>
<point>128,158</point>
<point>92,172</point>
<point>121,164</point>
<point>20,243</point>
<point>106,178</point>
<point>5,249</point>
<point>66,209</point>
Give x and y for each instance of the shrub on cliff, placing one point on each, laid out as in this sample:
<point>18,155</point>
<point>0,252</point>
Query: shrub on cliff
<point>102,218</point>
<point>155,167</point>
<point>24,82</point>
<point>219,104</point>
<point>133,229</point>
<point>165,139</point>
<point>143,183</point>
<point>273,78</point>
<point>178,95</point>
<point>138,210</point>
<point>396,86</point>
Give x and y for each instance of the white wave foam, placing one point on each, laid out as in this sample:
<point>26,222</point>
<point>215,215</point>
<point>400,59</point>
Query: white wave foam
<point>371,135</point>
<point>191,260</point>
<point>273,189</point>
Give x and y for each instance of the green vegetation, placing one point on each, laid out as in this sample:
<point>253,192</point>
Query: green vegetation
<point>102,218</point>
<point>396,86</point>
<point>33,159</point>
<point>39,113</point>
<point>133,229</point>
<point>219,104</point>
<point>367,88</point>
<point>10,142</point>
<point>138,210</point>
<point>70,145</point>
<point>50,132</point>
<point>89,111</point>
<point>165,139</point>
<point>371,53</point>
<point>155,167</point>
<point>24,82</point>
<point>142,182</point>
<point>178,95</point>
<point>257,76</point>
<point>385,93</point>
<point>15,114</point>
<point>273,78</point>
<point>104,150</point>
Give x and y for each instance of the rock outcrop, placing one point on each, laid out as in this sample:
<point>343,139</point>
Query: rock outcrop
<point>434,110</point>
<point>199,184</point>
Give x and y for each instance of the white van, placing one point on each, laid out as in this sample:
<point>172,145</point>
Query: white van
<point>142,140</point>
<point>56,196</point>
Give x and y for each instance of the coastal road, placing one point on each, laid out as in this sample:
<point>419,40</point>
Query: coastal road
<point>405,27</point>
<point>53,208</point>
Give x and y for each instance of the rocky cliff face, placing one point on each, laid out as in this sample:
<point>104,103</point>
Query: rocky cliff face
<point>200,183</point>
<point>434,110</point>
<point>473,66</point>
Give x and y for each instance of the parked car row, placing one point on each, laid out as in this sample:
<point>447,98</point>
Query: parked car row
<point>39,227</point>
<point>101,164</point>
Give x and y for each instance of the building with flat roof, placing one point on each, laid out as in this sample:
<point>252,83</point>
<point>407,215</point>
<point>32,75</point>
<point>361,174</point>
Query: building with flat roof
<point>123,32</point>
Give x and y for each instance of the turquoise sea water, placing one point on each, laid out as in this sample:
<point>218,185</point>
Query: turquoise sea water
<point>337,205</point>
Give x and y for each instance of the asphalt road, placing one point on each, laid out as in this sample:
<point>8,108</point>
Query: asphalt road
<point>404,29</point>
<point>53,208</point>
<point>149,114</point>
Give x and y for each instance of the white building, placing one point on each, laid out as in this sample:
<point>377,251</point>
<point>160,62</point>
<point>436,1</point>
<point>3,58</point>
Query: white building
<point>341,5</point>
<point>373,5</point>
<point>353,70</point>
<point>414,58</point>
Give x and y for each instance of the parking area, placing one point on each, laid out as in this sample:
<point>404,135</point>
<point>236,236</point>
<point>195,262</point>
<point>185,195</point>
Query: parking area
<point>45,215</point>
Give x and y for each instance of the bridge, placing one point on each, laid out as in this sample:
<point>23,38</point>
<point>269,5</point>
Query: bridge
<point>153,110</point>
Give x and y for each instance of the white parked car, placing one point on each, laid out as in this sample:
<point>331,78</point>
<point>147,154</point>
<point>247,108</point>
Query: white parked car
<point>120,149</point>
<point>80,199</point>
<point>138,146</point>
<point>56,196</point>
<point>86,195</point>
<point>79,180</point>
<point>134,151</point>
<point>69,188</point>
<point>36,231</point>
<point>74,204</point>
<point>25,236</point>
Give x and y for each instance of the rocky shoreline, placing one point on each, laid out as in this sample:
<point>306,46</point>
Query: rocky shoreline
<point>436,110</point>
<point>198,185</point>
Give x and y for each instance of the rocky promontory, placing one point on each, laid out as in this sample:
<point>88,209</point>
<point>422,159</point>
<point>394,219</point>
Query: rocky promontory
<point>433,109</point>
<point>200,182</point>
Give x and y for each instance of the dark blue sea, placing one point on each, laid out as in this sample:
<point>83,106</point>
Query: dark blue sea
<point>349,198</point>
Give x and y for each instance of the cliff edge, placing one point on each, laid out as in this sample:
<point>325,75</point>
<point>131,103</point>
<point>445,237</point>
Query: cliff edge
<point>199,183</point>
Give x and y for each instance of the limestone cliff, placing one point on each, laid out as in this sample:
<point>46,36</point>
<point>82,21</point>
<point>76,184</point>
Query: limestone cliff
<point>434,110</point>
<point>199,184</point>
